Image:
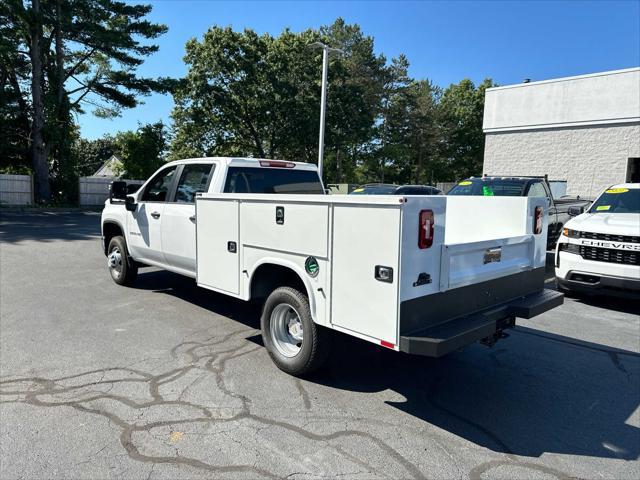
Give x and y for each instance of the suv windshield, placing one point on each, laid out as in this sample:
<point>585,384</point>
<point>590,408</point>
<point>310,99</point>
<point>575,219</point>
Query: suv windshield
<point>617,200</point>
<point>489,187</point>
<point>272,180</point>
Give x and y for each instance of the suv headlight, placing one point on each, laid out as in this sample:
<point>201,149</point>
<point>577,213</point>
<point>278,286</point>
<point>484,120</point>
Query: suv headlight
<point>567,232</point>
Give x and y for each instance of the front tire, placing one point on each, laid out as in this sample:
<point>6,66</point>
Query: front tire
<point>295,343</point>
<point>123,270</point>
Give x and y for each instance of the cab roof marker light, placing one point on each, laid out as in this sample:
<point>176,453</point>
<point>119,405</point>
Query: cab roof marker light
<point>276,163</point>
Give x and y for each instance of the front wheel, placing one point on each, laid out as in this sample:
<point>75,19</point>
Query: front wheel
<point>123,270</point>
<point>295,343</point>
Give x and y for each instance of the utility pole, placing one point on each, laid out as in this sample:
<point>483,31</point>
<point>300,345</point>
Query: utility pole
<point>323,98</point>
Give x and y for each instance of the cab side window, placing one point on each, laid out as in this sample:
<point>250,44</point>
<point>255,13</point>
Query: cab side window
<point>537,190</point>
<point>194,179</point>
<point>158,188</point>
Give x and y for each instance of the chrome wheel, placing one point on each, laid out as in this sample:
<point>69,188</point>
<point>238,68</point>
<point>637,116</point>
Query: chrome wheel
<point>286,330</point>
<point>114,262</point>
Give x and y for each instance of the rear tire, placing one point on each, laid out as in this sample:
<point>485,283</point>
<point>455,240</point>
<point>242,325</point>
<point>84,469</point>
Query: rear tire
<point>122,268</point>
<point>295,343</point>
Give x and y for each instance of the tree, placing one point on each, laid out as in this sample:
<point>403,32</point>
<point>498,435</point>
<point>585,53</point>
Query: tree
<point>14,108</point>
<point>258,95</point>
<point>462,110</point>
<point>142,152</point>
<point>79,53</point>
<point>90,155</point>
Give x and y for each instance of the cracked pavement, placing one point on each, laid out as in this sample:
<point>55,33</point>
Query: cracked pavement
<point>166,380</point>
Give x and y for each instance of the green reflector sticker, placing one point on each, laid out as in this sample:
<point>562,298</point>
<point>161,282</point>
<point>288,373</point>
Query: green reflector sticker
<point>311,266</point>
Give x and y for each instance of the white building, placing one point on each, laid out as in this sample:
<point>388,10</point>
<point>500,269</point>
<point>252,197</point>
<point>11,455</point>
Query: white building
<point>583,129</point>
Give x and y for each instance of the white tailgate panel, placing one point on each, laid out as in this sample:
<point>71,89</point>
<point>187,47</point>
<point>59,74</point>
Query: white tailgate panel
<point>473,219</point>
<point>304,230</point>
<point>464,263</point>
<point>217,224</point>
<point>363,237</point>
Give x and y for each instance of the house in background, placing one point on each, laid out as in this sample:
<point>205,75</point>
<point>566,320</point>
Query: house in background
<point>111,168</point>
<point>584,129</point>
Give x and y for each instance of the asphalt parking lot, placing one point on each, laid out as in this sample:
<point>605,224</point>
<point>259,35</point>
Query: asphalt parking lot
<point>165,380</point>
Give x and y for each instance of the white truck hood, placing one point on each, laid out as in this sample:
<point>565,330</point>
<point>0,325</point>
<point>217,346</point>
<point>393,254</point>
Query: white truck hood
<point>609,223</point>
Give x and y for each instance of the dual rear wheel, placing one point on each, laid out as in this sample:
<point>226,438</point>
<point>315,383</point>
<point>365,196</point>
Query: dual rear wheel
<point>295,343</point>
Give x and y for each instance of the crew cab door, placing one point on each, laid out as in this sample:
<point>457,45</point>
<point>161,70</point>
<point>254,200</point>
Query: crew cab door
<point>179,217</point>
<point>144,224</point>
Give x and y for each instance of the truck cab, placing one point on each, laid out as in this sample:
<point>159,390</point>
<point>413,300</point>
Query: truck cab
<point>158,221</point>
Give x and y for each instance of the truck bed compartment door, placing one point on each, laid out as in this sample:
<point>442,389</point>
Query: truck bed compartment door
<point>364,299</point>
<point>217,244</point>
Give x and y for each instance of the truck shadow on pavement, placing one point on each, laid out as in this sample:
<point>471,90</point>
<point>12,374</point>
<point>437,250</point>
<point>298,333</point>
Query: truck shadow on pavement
<point>533,393</point>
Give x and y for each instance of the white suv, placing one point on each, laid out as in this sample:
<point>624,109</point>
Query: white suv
<point>600,248</point>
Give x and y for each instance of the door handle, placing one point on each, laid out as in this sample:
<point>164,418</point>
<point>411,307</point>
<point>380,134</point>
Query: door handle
<point>192,218</point>
<point>155,215</point>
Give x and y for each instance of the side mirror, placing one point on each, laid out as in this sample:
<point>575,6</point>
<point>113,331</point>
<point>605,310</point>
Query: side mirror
<point>575,210</point>
<point>118,190</point>
<point>130,203</point>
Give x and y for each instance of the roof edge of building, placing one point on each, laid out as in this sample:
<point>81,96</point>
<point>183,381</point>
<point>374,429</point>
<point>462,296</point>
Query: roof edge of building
<point>556,126</point>
<point>566,79</point>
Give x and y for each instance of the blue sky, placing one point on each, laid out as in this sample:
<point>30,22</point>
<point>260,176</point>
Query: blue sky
<point>445,41</point>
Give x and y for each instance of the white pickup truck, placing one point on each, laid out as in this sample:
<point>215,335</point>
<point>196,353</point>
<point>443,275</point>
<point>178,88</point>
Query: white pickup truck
<point>419,274</point>
<point>599,250</point>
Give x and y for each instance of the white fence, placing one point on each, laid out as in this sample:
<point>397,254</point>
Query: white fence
<point>95,190</point>
<point>16,189</point>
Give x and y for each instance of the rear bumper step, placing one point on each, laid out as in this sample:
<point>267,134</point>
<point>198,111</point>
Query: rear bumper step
<point>447,337</point>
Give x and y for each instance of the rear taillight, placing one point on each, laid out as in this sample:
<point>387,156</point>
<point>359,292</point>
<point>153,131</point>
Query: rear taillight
<point>425,229</point>
<point>537,221</point>
<point>276,163</point>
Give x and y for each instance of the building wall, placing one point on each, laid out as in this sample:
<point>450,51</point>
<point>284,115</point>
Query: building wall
<point>594,99</point>
<point>589,158</point>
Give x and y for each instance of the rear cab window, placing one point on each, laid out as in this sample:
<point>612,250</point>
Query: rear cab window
<point>272,180</point>
<point>489,187</point>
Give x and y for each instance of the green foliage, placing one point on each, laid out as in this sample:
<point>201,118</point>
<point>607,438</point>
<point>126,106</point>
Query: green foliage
<point>141,152</point>
<point>462,109</point>
<point>244,94</point>
<point>60,58</point>
<point>257,95</point>
<point>90,155</point>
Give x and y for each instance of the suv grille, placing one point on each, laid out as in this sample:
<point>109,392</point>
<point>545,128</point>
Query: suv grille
<point>609,255</point>
<point>610,238</point>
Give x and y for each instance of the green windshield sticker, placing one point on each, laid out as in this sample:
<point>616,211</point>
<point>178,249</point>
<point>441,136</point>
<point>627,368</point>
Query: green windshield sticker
<point>359,190</point>
<point>487,191</point>
<point>466,182</point>
<point>601,208</point>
